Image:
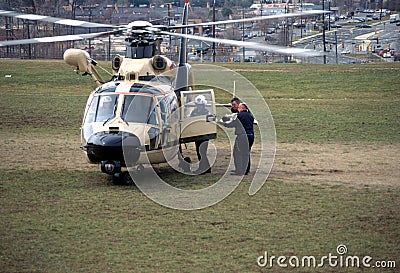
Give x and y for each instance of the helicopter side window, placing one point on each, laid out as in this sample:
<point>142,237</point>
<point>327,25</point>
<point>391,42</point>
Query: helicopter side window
<point>140,109</point>
<point>163,109</point>
<point>106,107</point>
<point>153,120</point>
<point>90,111</point>
<point>173,105</point>
<point>89,117</point>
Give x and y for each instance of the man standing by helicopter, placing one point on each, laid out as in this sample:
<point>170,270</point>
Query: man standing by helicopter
<point>244,131</point>
<point>201,145</point>
<point>234,105</point>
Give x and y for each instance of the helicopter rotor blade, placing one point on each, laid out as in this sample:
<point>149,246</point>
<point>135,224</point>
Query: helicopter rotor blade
<point>62,38</point>
<point>258,18</point>
<point>61,21</point>
<point>253,45</point>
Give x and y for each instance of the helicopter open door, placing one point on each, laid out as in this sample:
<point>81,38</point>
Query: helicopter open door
<point>198,116</point>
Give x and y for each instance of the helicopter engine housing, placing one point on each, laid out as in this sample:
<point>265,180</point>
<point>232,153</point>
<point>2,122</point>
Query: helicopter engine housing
<point>77,58</point>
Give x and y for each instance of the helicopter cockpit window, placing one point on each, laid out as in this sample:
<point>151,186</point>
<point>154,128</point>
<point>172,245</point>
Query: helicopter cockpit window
<point>139,109</point>
<point>105,107</point>
<point>107,87</point>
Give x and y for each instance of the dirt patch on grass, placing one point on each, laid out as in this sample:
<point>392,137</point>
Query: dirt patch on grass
<point>352,164</point>
<point>38,151</point>
<point>356,164</point>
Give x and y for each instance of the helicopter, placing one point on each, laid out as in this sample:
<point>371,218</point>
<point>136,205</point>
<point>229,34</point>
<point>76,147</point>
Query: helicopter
<point>142,114</point>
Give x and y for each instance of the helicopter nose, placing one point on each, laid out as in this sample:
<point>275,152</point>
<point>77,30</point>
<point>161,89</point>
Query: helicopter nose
<point>123,147</point>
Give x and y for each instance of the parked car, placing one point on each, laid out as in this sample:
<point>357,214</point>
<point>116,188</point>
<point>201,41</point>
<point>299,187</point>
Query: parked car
<point>299,25</point>
<point>394,18</point>
<point>269,38</point>
<point>270,30</point>
<point>376,17</point>
<point>363,26</point>
<point>386,55</point>
<point>359,19</point>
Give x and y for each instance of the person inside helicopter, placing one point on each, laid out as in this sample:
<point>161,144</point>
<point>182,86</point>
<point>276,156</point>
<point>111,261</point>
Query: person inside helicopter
<point>106,108</point>
<point>200,106</point>
<point>201,145</point>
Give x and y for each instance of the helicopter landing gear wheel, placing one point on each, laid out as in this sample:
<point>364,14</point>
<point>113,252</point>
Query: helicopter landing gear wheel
<point>122,178</point>
<point>127,179</point>
<point>116,179</point>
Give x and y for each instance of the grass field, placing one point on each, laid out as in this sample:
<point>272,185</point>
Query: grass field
<point>335,180</point>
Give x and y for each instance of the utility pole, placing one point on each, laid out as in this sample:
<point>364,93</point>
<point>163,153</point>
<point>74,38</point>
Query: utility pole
<point>301,19</point>
<point>336,45</point>
<point>243,49</point>
<point>9,33</point>
<point>329,9</point>
<point>26,23</point>
<point>90,20</point>
<point>323,31</point>
<point>73,5</point>
<point>213,32</point>
<point>169,24</point>
<point>261,24</point>
<point>287,34</point>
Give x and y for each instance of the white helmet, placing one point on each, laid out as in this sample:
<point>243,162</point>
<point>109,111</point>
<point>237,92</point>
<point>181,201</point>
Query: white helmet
<point>105,99</point>
<point>200,99</point>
